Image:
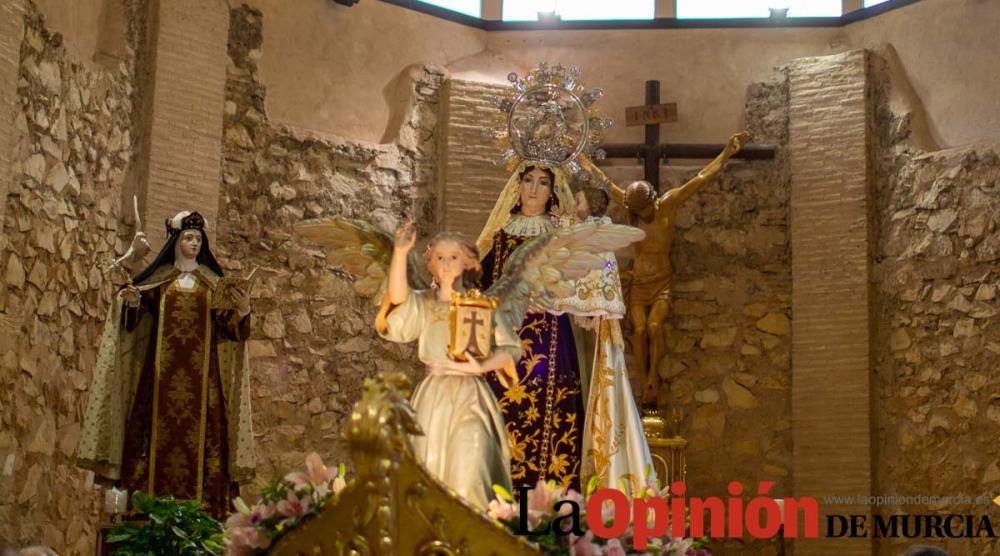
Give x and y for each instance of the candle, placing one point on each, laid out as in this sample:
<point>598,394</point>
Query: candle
<point>115,501</point>
<point>781,508</point>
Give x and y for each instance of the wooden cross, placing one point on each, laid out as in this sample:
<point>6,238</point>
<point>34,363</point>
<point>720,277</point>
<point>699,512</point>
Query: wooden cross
<point>652,151</point>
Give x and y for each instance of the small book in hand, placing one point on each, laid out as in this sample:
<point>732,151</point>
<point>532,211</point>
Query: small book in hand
<point>222,298</point>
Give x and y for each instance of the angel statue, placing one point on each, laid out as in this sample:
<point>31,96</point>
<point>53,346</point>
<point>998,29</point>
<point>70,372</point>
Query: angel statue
<point>169,405</point>
<point>463,335</point>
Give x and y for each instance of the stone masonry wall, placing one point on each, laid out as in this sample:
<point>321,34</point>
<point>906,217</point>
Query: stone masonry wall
<point>937,358</point>
<point>313,338</point>
<point>11,35</point>
<point>72,146</point>
<point>728,345</point>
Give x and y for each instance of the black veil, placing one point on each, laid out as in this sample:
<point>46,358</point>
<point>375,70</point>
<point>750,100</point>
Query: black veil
<point>167,255</point>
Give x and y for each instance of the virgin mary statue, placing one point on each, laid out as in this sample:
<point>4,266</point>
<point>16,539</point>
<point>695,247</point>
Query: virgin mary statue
<point>559,429</point>
<point>554,434</point>
<point>543,410</point>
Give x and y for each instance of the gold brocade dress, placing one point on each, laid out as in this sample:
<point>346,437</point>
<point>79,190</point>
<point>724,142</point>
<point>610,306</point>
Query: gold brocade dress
<point>176,434</point>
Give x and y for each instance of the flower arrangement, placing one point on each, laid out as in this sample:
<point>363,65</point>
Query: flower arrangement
<point>548,508</point>
<point>283,504</point>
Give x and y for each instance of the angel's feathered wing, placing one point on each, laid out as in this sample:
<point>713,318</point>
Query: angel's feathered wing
<point>360,249</point>
<point>543,268</point>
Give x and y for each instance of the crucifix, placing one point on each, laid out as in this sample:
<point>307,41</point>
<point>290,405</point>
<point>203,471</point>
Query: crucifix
<point>650,280</point>
<point>652,151</point>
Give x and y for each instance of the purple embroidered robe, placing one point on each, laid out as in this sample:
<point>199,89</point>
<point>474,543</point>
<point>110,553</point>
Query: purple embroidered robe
<point>543,413</point>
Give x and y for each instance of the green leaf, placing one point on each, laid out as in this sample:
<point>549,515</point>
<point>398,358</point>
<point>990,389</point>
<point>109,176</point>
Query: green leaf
<point>625,487</point>
<point>114,538</point>
<point>502,494</point>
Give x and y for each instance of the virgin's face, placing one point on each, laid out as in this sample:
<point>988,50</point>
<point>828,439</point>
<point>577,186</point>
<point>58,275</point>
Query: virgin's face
<point>447,262</point>
<point>536,190</point>
<point>190,242</point>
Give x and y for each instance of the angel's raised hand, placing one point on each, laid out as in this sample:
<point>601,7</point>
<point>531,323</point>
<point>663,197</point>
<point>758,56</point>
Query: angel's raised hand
<point>406,236</point>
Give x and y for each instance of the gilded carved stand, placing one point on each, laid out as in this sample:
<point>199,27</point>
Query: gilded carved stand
<point>393,506</point>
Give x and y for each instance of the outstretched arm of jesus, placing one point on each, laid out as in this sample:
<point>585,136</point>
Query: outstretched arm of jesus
<point>679,195</point>
<point>617,193</point>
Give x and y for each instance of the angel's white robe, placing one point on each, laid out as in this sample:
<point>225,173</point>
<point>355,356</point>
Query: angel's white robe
<point>464,443</point>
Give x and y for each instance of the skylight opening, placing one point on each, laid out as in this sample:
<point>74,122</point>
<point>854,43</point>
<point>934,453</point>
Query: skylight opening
<point>735,9</point>
<point>579,10</point>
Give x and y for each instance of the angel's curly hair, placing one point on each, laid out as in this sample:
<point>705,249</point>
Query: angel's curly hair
<point>473,269</point>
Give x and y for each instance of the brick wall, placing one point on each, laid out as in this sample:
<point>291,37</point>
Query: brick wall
<point>829,123</point>
<point>186,116</point>
<point>469,181</point>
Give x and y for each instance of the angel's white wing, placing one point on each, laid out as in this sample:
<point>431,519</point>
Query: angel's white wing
<point>359,248</point>
<point>543,268</point>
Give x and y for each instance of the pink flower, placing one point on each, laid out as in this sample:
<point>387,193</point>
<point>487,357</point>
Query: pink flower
<point>584,546</point>
<point>679,546</point>
<point>540,501</point>
<point>317,475</point>
<point>237,521</point>
<point>245,540</point>
<point>573,496</point>
<point>261,512</point>
<point>293,506</point>
<point>500,510</point>
<point>242,516</point>
<point>614,548</point>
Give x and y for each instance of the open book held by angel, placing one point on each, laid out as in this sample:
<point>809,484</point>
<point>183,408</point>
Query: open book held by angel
<point>464,443</point>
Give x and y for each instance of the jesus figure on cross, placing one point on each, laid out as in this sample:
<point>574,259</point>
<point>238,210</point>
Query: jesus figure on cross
<point>649,296</point>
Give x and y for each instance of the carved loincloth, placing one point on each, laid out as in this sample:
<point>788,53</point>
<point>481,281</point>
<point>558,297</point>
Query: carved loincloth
<point>647,290</point>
